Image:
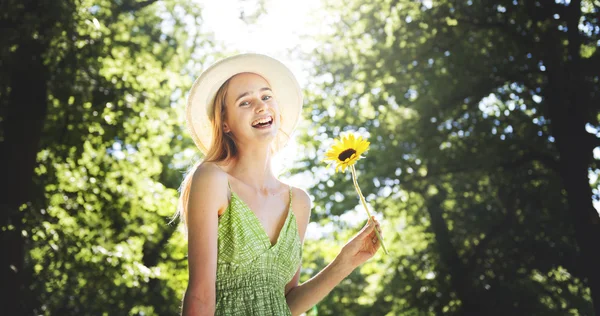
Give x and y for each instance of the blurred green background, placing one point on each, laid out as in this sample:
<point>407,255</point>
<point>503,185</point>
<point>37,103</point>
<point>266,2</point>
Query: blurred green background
<point>483,167</point>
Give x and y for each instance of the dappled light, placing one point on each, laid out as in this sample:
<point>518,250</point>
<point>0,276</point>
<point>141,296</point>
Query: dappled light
<point>482,167</point>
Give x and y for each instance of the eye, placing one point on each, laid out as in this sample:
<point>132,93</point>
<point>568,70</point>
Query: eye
<point>244,103</point>
<point>266,97</point>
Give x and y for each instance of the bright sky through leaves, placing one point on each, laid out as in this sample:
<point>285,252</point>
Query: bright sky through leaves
<point>275,32</point>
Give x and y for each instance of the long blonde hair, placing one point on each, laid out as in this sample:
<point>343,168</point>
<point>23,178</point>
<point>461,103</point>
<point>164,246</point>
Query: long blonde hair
<point>223,148</point>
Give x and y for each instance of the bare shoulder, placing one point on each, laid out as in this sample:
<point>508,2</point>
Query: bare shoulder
<point>301,199</point>
<point>301,205</point>
<point>209,171</point>
<point>209,183</point>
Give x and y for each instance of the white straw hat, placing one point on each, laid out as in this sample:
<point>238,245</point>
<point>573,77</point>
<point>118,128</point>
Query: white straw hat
<point>283,83</point>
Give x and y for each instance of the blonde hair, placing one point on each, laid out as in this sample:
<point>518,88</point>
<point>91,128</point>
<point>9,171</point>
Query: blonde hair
<point>222,148</point>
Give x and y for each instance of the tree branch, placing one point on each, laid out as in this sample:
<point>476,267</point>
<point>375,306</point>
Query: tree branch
<point>505,28</point>
<point>489,237</point>
<point>545,159</point>
<point>590,66</point>
<point>594,141</point>
<point>459,275</point>
<point>135,6</point>
<point>573,17</point>
<point>494,231</point>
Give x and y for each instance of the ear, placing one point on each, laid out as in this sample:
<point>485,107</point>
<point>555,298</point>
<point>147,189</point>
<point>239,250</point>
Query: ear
<point>226,128</point>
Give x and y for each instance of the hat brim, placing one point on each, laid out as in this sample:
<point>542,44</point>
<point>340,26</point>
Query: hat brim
<point>283,83</point>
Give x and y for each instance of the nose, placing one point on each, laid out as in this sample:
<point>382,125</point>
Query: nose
<point>261,106</point>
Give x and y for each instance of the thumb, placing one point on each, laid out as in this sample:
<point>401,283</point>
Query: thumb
<point>368,228</point>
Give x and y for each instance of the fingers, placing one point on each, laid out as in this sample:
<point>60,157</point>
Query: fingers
<point>374,220</point>
<point>379,230</point>
<point>368,228</point>
<point>373,223</point>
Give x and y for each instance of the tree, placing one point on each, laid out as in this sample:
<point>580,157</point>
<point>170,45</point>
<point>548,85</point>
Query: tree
<point>475,111</point>
<point>90,116</point>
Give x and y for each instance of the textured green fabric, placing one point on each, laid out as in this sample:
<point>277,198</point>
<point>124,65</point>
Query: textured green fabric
<point>251,272</point>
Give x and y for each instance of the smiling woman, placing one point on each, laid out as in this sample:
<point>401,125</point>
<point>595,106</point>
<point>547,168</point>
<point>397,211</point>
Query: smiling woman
<point>245,227</point>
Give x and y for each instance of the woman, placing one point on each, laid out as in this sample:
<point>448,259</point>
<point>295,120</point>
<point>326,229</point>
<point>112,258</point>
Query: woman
<point>245,227</point>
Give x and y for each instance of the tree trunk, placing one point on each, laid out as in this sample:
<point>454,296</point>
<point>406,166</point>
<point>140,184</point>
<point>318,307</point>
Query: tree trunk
<point>567,110</point>
<point>574,162</point>
<point>23,122</point>
<point>571,116</point>
<point>459,277</point>
<point>586,222</point>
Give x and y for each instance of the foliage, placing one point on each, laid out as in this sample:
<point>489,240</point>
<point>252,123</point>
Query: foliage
<point>106,176</point>
<point>459,101</point>
<point>473,111</point>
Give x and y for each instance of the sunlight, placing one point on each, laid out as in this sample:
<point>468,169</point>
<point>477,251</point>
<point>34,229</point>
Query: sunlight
<point>277,31</point>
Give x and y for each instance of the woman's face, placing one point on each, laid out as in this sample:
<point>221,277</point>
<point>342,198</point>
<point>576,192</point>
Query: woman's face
<point>252,111</point>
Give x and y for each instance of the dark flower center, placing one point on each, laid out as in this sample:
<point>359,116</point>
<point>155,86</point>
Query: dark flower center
<point>346,154</point>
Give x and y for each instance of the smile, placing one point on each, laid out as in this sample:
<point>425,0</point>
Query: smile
<point>263,122</point>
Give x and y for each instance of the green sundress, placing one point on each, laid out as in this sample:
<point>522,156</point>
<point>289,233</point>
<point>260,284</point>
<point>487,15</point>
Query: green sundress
<point>251,272</point>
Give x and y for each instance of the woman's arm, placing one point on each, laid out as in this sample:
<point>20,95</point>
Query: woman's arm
<point>359,249</point>
<point>208,194</point>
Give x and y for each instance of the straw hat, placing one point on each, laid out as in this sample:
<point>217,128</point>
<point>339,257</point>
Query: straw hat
<point>199,108</point>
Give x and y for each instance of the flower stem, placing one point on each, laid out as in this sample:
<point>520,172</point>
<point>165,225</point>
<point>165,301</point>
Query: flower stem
<point>364,203</point>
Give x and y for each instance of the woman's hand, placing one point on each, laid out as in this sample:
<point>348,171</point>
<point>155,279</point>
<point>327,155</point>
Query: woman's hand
<point>355,252</point>
<point>362,246</point>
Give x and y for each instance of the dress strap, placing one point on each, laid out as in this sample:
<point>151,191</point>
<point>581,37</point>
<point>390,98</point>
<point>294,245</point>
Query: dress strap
<point>230,192</point>
<point>290,195</point>
<point>228,184</point>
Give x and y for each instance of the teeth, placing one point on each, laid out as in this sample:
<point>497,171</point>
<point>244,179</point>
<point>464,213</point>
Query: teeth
<point>261,121</point>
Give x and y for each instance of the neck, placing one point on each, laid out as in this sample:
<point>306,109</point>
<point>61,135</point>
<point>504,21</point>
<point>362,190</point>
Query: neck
<point>253,167</point>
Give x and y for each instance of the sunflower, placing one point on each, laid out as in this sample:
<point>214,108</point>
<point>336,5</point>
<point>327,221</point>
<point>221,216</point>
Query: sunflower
<point>346,151</point>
